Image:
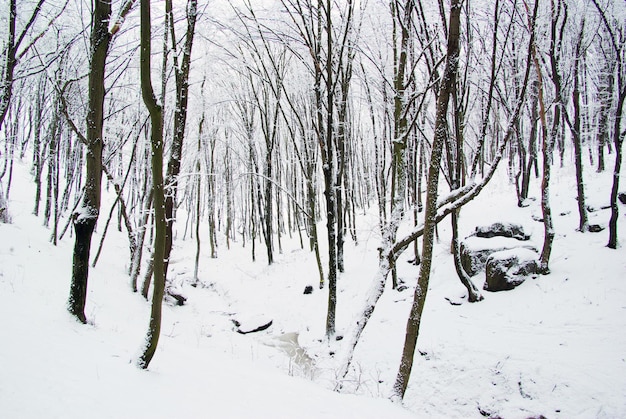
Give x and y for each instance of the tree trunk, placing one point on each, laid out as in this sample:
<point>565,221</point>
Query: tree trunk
<point>156,139</point>
<point>180,118</point>
<point>141,235</point>
<point>577,137</point>
<point>473,293</point>
<point>86,216</point>
<point>546,147</point>
<point>448,83</point>
<point>329,190</point>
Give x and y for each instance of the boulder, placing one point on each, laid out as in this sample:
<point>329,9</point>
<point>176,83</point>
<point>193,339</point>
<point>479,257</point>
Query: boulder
<point>476,250</point>
<point>509,268</point>
<point>502,229</point>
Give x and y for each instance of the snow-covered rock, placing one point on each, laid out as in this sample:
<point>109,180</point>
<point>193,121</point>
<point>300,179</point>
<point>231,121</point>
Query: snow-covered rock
<point>509,268</point>
<point>476,250</point>
<point>502,229</point>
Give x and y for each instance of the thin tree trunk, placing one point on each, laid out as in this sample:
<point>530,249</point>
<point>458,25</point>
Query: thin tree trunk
<point>141,235</point>
<point>577,137</point>
<point>547,161</point>
<point>473,293</point>
<point>448,83</point>
<point>180,118</point>
<point>618,137</point>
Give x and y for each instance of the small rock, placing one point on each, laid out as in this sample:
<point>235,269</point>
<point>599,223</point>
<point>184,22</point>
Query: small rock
<point>308,290</point>
<point>595,228</point>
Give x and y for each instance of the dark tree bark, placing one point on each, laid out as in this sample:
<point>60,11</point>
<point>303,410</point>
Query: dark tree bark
<point>87,215</point>
<point>577,137</point>
<point>618,133</point>
<point>328,169</point>
<point>37,158</point>
<point>11,53</point>
<point>180,117</point>
<point>156,139</point>
<point>546,148</point>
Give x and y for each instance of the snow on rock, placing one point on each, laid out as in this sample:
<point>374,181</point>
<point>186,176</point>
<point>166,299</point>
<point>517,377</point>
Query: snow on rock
<point>502,229</point>
<point>476,250</point>
<point>507,269</point>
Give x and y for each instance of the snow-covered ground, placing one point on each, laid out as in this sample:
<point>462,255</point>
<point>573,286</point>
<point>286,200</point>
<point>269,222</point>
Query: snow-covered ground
<point>554,346</point>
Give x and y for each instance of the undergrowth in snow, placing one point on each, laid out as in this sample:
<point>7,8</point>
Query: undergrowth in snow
<point>554,346</point>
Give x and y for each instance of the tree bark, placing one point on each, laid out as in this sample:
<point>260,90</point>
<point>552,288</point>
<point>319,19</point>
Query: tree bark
<point>156,139</point>
<point>618,135</point>
<point>86,216</point>
<point>448,83</point>
<point>577,137</point>
<point>180,118</point>
<point>546,148</point>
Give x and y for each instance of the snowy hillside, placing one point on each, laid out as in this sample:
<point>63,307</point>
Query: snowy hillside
<point>554,346</point>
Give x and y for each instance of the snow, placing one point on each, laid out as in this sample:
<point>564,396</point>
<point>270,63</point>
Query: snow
<point>475,243</point>
<point>554,346</point>
<point>520,254</point>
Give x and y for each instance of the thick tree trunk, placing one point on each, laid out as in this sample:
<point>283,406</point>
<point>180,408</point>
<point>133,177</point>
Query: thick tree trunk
<point>87,215</point>
<point>156,138</point>
<point>328,171</point>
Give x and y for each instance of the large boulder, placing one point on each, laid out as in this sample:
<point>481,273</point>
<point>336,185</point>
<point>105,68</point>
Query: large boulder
<point>509,268</point>
<point>476,250</point>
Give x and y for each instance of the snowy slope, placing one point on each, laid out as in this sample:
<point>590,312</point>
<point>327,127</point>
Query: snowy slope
<point>52,366</point>
<point>554,346</point>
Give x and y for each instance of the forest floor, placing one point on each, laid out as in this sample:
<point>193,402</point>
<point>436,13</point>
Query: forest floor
<point>555,346</point>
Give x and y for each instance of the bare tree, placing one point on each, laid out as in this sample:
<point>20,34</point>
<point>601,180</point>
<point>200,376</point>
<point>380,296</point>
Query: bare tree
<point>546,147</point>
<point>617,36</point>
<point>447,85</point>
<point>181,71</point>
<point>156,139</point>
<point>86,216</point>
